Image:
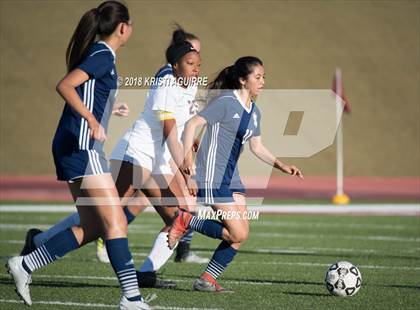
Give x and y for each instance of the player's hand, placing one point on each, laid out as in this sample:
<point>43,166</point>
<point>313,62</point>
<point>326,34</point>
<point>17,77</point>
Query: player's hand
<point>188,167</point>
<point>292,170</point>
<point>97,132</point>
<point>195,145</point>
<point>120,109</point>
<point>192,187</point>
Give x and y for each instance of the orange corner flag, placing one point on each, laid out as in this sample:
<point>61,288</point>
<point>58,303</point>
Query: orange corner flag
<point>338,89</point>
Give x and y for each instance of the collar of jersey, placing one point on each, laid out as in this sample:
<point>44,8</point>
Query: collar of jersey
<point>248,110</point>
<point>109,47</point>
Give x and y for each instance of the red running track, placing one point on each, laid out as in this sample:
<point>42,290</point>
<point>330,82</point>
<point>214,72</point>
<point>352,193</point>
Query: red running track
<point>46,188</point>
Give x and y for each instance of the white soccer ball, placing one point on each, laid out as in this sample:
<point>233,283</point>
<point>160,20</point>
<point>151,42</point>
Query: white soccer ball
<point>343,279</point>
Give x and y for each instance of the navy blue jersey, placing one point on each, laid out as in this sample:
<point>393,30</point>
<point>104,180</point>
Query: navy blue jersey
<point>76,154</point>
<point>230,124</point>
<point>95,92</point>
<point>163,71</point>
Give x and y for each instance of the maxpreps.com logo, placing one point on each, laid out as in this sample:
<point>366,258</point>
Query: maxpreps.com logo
<point>228,215</point>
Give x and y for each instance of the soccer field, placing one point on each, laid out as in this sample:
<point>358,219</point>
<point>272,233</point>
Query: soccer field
<point>282,266</point>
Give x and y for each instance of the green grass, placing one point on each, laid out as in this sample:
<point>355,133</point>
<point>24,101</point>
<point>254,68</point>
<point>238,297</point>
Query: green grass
<point>282,266</point>
<point>267,201</point>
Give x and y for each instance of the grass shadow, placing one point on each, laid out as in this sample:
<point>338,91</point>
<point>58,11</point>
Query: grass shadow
<point>415,287</point>
<point>316,254</point>
<point>61,284</point>
<point>271,281</point>
<point>307,294</point>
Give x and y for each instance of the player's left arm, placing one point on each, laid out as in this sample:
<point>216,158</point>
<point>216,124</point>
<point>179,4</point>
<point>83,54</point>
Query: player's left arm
<point>259,150</point>
<point>120,109</point>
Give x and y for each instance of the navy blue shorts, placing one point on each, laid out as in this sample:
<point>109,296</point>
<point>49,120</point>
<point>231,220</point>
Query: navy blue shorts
<point>80,163</point>
<point>221,195</point>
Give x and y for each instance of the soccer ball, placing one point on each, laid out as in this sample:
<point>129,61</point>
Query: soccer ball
<point>343,279</point>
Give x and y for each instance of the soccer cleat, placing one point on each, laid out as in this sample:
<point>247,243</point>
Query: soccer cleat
<point>21,277</point>
<point>149,279</point>
<point>29,241</point>
<point>126,304</point>
<point>206,283</point>
<point>178,228</point>
<point>101,252</point>
<point>192,258</point>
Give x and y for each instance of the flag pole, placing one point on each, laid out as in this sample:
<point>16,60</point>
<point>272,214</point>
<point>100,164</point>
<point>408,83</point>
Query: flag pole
<point>340,197</point>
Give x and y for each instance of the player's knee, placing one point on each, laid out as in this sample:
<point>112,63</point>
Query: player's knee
<point>135,210</point>
<point>79,234</point>
<point>239,236</point>
<point>116,230</point>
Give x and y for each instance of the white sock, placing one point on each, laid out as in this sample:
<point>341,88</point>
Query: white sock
<point>159,254</point>
<point>71,220</point>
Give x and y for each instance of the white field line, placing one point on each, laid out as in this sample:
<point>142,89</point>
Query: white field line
<point>325,236</point>
<point>265,223</point>
<point>12,241</point>
<point>367,209</point>
<point>310,250</point>
<point>319,250</point>
<point>92,305</point>
<point>316,250</point>
<point>138,229</point>
<point>334,225</point>
<point>24,227</point>
<point>17,226</point>
<point>296,250</point>
<point>327,265</point>
<point>151,223</point>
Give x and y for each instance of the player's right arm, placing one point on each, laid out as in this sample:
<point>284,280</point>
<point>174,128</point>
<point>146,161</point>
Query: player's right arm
<point>170,134</point>
<point>189,134</point>
<point>67,90</point>
<point>188,166</point>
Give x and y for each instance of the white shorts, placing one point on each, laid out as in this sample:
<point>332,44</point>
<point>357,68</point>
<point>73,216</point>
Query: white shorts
<point>152,157</point>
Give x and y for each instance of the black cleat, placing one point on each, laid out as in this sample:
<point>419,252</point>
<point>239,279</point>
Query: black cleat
<point>150,280</point>
<point>184,255</point>
<point>182,251</point>
<point>29,241</point>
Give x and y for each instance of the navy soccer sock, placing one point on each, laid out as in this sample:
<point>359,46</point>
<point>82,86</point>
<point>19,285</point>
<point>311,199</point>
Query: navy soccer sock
<point>223,255</point>
<point>130,216</point>
<point>123,265</point>
<point>210,228</point>
<point>55,248</point>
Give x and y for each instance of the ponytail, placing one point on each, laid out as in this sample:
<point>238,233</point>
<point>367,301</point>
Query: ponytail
<point>101,21</point>
<point>226,79</point>
<point>82,38</point>
<point>180,35</point>
<point>179,38</point>
<point>229,77</point>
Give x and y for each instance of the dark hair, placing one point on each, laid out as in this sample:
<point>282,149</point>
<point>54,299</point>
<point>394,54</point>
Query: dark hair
<point>100,21</point>
<point>229,77</point>
<point>179,37</point>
